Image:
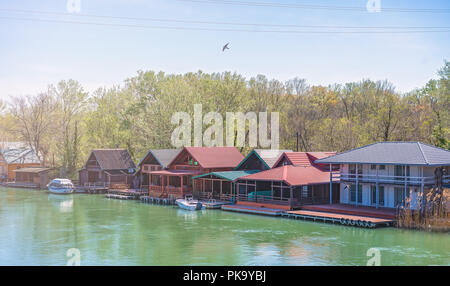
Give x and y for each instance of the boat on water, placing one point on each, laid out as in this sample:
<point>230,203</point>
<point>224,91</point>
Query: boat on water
<point>188,203</point>
<point>61,186</point>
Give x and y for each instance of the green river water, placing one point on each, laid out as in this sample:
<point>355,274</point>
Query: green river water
<point>38,228</point>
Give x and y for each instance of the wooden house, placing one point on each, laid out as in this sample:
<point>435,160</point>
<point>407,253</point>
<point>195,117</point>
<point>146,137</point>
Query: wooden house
<point>108,167</point>
<point>32,177</point>
<point>176,180</point>
<point>220,186</point>
<point>14,158</point>
<point>294,181</point>
<point>153,160</point>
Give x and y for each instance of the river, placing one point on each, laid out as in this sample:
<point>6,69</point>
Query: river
<point>38,228</point>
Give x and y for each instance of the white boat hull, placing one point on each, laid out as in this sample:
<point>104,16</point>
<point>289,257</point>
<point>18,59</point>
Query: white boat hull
<point>189,205</point>
<point>60,190</point>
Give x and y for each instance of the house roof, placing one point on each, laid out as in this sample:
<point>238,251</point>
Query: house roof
<point>268,156</point>
<point>113,159</point>
<point>228,175</point>
<point>32,170</point>
<point>392,153</point>
<point>303,158</point>
<point>22,155</point>
<point>163,156</point>
<point>214,157</point>
<point>293,175</point>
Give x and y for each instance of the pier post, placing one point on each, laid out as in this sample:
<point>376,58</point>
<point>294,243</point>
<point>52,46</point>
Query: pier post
<point>331,185</point>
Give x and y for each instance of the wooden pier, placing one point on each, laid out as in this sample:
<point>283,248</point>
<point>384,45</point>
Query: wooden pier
<point>252,210</point>
<point>91,188</point>
<point>158,200</point>
<point>213,204</point>
<point>343,219</point>
<point>129,194</point>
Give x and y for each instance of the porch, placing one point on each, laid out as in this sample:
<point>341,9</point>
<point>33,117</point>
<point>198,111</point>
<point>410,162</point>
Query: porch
<point>278,194</point>
<point>218,185</point>
<point>171,183</point>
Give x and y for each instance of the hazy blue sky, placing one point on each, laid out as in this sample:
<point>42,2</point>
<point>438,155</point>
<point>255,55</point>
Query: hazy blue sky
<point>34,54</point>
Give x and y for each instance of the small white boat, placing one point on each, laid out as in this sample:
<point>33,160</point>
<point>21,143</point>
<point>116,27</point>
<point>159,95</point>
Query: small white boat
<point>188,203</point>
<point>61,186</point>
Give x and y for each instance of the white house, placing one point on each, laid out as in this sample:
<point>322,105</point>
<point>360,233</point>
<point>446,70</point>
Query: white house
<point>384,174</point>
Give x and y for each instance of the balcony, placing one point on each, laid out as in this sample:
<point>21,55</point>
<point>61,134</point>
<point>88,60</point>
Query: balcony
<point>396,180</point>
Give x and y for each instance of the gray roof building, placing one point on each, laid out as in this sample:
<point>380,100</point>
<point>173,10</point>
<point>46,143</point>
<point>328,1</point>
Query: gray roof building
<point>392,153</point>
<point>162,156</point>
<point>113,159</point>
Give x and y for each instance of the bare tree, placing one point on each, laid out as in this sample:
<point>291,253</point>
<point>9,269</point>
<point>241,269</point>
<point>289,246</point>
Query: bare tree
<point>34,122</point>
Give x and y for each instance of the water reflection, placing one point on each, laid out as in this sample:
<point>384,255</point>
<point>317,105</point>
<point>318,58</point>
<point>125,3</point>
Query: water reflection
<point>63,202</point>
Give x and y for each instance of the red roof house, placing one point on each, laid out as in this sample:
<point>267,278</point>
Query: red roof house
<point>295,180</point>
<point>176,180</point>
<point>301,158</point>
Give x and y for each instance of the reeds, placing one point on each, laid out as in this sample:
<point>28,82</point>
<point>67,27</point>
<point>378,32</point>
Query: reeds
<point>433,215</point>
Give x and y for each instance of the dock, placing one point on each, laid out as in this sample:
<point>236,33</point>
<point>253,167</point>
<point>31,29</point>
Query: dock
<point>252,210</point>
<point>91,188</point>
<point>351,220</point>
<point>127,194</point>
<point>157,200</point>
<point>213,204</point>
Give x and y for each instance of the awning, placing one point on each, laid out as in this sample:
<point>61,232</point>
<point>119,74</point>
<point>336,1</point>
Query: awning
<point>229,175</point>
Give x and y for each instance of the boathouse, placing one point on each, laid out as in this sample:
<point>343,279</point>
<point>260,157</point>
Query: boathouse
<point>388,174</point>
<point>14,157</point>
<point>220,186</point>
<point>108,167</point>
<point>153,160</point>
<point>32,177</point>
<point>295,181</point>
<point>176,180</point>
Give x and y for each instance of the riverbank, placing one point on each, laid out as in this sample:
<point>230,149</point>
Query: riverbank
<point>37,228</point>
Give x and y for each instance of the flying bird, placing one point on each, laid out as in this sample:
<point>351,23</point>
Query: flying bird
<point>225,47</point>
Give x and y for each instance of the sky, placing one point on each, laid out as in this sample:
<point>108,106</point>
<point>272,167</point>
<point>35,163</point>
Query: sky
<point>38,48</point>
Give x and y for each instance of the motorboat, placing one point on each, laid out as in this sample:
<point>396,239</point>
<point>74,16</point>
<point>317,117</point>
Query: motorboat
<point>61,186</point>
<point>188,203</point>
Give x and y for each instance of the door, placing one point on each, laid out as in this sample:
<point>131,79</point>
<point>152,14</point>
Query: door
<point>93,176</point>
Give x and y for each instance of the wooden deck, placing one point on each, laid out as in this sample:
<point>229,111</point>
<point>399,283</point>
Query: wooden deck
<point>252,210</point>
<point>129,194</point>
<point>344,219</point>
<point>385,213</point>
<point>213,204</point>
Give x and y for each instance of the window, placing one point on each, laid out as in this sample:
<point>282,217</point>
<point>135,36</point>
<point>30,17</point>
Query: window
<point>399,196</point>
<point>373,197</point>
<point>353,193</point>
<point>373,167</point>
<point>305,192</point>
<point>382,167</point>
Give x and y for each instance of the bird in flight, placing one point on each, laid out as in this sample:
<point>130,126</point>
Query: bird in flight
<point>225,47</point>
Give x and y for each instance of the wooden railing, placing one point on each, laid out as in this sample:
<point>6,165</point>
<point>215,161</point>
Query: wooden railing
<point>369,178</point>
<point>209,195</point>
<point>266,199</point>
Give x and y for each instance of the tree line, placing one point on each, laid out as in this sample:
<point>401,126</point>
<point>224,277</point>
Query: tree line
<point>63,123</point>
